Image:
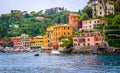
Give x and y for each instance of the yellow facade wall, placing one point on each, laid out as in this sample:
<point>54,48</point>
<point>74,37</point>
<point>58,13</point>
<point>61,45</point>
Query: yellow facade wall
<point>37,41</point>
<point>61,30</point>
<point>45,41</point>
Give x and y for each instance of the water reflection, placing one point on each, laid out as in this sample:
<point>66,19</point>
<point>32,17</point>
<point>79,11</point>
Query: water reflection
<point>45,63</point>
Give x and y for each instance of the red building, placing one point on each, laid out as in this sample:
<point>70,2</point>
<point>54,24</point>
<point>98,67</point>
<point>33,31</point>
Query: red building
<point>4,43</point>
<point>17,41</point>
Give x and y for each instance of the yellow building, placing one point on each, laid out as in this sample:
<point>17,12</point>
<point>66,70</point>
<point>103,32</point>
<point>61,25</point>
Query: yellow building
<point>54,33</point>
<point>45,41</point>
<point>49,36</point>
<point>61,30</point>
<point>37,41</point>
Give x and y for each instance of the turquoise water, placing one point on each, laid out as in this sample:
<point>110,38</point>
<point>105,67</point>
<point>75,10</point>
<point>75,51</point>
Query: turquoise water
<point>45,63</point>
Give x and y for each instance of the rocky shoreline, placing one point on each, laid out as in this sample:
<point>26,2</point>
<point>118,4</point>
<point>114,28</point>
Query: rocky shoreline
<point>99,51</point>
<point>83,51</point>
<point>87,51</point>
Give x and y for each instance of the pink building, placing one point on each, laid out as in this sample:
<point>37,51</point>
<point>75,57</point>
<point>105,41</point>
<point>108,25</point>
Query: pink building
<point>89,24</point>
<point>88,39</point>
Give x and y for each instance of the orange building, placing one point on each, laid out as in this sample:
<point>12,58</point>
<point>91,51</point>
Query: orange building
<point>61,30</point>
<point>53,34</point>
<point>17,41</point>
<point>74,20</point>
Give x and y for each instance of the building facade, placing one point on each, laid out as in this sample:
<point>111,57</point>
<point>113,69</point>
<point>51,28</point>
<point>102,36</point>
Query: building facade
<point>37,41</point>
<point>88,39</point>
<point>25,40</point>
<point>99,8</point>
<point>61,30</point>
<point>49,36</point>
<point>45,41</point>
<point>89,24</point>
<point>54,33</point>
<point>74,20</point>
<point>17,41</point>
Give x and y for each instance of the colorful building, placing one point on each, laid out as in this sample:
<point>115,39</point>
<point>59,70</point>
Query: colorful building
<point>25,40</point>
<point>17,41</point>
<point>40,18</point>
<point>89,24</point>
<point>49,36</point>
<point>98,8</point>
<point>74,20</point>
<point>53,34</point>
<point>37,41</point>
<point>45,41</point>
<point>88,39</point>
<point>61,30</point>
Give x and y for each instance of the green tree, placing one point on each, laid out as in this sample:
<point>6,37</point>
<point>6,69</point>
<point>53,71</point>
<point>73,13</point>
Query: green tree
<point>116,20</point>
<point>88,10</point>
<point>84,17</point>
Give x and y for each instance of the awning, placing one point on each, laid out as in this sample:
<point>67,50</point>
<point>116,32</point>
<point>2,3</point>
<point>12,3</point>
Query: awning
<point>35,46</point>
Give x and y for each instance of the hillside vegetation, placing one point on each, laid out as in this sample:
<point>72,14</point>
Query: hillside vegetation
<point>17,22</point>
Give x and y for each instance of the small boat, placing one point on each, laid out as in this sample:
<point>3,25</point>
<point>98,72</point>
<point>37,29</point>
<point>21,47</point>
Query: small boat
<point>55,52</point>
<point>36,54</point>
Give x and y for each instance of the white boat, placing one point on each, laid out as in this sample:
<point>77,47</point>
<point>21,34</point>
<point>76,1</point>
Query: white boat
<point>55,52</point>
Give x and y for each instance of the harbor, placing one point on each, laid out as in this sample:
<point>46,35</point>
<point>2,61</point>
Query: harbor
<point>64,63</point>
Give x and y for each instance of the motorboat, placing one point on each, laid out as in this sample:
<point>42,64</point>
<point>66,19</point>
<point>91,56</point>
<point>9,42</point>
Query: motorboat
<point>36,54</point>
<point>55,52</point>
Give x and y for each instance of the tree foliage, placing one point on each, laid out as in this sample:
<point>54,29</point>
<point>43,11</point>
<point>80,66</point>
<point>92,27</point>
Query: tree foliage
<point>18,22</point>
<point>88,10</point>
<point>68,43</point>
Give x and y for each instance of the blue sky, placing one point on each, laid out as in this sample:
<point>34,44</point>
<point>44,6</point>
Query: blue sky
<point>36,5</point>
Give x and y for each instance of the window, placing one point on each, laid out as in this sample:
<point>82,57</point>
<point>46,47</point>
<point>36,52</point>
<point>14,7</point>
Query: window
<point>100,8</point>
<point>68,33</point>
<point>75,39</point>
<point>95,22</point>
<point>78,44</point>
<point>87,34</point>
<point>81,40</point>
<point>64,33</point>
<point>100,13</point>
<point>48,41</point>
<point>74,17</point>
<point>68,28</point>
<point>112,9</point>
<point>88,44</point>
<point>74,44</point>
<point>98,21</point>
<point>90,26</point>
<point>94,9</point>
<point>88,39</point>
<point>94,14</point>
<point>64,27</point>
<point>83,44</point>
<point>90,22</point>
<point>82,34</point>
